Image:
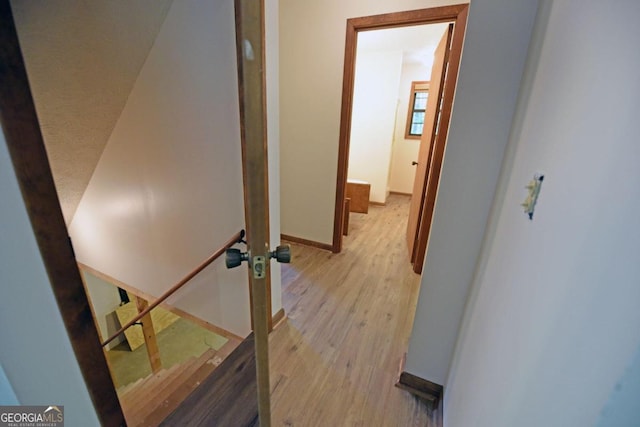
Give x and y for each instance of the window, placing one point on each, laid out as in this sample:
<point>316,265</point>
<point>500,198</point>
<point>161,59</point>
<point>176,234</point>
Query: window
<point>417,109</point>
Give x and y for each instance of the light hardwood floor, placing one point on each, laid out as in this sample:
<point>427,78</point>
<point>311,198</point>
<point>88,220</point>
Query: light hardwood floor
<point>334,362</point>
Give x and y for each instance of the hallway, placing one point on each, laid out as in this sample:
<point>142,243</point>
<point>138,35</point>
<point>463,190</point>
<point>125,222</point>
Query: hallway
<point>334,362</point>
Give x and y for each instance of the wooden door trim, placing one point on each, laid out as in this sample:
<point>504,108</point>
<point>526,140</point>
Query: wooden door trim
<point>455,13</point>
<point>250,46</point>
<point>435,165</point>
<point>438,74</point>
<point>29,157</point>
<point>254,158</point>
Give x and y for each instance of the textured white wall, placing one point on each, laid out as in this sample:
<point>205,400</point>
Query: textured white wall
<point>495,49</point>
<point>36,354</point>
<point>82,59</point>
<point>168,189</point>
<point>311,65</point>
<point>375,96</point>
<point>552,326</point>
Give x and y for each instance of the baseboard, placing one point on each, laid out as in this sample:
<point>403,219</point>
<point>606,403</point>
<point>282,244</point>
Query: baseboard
<point>424,389</point>
<point>371,202</point>
<point>306,242</point>
<point>278,318</point>
<point>400,193</point>
<point>420,387</point>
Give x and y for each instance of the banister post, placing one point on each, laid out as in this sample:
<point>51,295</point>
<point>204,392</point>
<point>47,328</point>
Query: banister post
<point>149,336</point>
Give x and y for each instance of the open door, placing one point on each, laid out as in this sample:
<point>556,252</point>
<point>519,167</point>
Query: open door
<point>444,75</point>
<point>456,14</point>
<point>431,117</point>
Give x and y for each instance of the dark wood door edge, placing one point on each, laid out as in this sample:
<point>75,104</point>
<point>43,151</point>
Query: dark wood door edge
<point>26,147</point>
<point>440,141</point>
<point>389,20</point>
<point>424,389</point>
<point>250,46</point>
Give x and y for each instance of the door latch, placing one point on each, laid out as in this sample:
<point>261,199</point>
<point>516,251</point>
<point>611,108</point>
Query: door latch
<point>234,257</point>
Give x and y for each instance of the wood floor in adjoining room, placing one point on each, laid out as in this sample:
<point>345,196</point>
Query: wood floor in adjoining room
<point>334,362</point>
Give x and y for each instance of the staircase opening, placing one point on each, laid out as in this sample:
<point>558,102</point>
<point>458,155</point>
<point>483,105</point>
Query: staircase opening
<point>29,156</point>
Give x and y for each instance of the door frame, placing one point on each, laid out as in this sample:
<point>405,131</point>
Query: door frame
<point>27,151</point>
<point>29,157</point>
<point>456,14</point>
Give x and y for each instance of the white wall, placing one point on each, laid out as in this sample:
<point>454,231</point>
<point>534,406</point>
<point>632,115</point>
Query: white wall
<point>311,66</point>
<point>495,47</point>
<point>622,407</point>
<point>404,150</point>
<point>36,353</point>
<point>553,323</point>
<point>7,395</point>
<point>82,58</point>
<point>167,191</point>
<point>104,298</point>
<point>375,98</point>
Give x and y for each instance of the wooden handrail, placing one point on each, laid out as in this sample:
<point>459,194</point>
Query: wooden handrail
<point>237,238</point>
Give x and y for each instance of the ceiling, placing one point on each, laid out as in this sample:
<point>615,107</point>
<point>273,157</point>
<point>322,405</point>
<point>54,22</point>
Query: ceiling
<point>82,59</point>
<point>418,43</point>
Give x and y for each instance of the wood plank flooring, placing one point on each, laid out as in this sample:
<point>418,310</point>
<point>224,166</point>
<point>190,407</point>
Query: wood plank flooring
<point>148,401</point>
<point>335,360</point>
<point>228,397</point>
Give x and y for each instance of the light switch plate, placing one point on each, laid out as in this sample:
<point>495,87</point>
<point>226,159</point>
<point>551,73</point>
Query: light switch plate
<point>533,187</point>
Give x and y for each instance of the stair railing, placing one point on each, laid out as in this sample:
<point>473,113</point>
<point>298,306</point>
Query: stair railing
<point>237,238</point>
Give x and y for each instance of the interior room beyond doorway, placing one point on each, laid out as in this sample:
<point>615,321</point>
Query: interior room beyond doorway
<point>389,62</point>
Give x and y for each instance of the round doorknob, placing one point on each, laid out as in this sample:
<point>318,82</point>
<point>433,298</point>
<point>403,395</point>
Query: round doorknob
<point>234,257</point>
<point>282,254</point>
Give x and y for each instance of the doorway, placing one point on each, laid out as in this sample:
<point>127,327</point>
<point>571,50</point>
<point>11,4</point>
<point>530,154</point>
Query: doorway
<point>391,88</point>
<point>426,198</point>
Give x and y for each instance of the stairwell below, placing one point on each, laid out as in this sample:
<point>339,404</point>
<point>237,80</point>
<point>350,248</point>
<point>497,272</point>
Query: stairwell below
<point>148,401</point>
<point>177,343</point>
